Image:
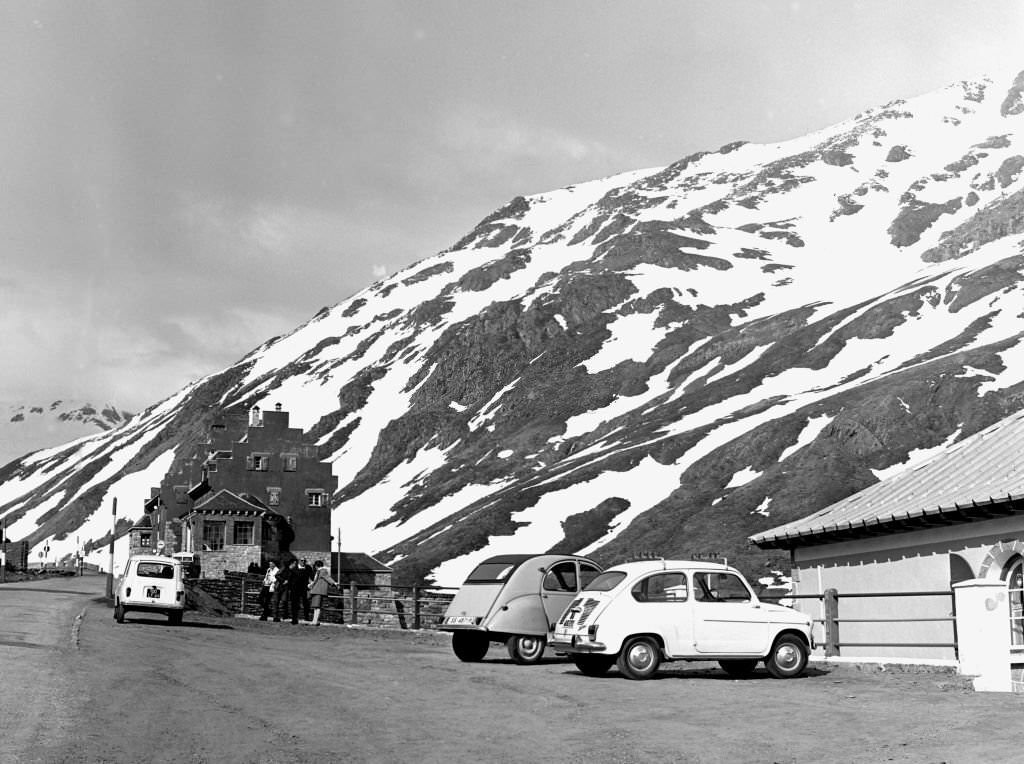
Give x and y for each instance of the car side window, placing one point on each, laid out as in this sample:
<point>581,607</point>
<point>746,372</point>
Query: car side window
<point>719,587</point>
<point>588,573</point>
<point>661,587</point>
<point>561,578</point>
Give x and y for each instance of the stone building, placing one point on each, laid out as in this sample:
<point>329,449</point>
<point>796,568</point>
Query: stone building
<point>233,533</point>
<point>255,464</point>
<point>141,538</point>
<point>360,569</point>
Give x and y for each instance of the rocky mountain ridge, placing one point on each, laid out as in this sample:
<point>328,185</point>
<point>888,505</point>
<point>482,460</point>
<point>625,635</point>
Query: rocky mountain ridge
<point>663,361</point>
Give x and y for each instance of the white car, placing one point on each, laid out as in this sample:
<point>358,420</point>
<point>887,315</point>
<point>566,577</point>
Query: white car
<point>151,584</point>
<point>638,614</point>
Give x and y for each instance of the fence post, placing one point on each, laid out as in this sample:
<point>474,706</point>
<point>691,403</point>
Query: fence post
<point>352,594</point>
<point>416,607</point>
<point>245,581</point>
<point>831,623</point>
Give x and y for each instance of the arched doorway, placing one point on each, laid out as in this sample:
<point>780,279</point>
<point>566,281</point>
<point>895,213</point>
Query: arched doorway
<point>1013,574</point>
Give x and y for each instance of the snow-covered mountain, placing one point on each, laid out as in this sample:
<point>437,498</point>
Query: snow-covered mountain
<point>664,361</point>
<point>25,427</point>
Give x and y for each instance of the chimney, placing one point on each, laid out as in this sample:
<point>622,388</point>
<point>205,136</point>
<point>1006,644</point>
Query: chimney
<point>277,407</point>
<point>255,418</point>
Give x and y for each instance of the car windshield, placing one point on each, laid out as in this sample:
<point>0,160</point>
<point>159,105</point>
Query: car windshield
<point>606,581</point>
<point>491,572</point>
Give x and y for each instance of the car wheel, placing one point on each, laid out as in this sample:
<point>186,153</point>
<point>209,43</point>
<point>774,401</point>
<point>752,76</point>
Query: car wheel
<point>788,657</point>
<point>593,665</point>
<point>738,668</point>
<point>119,612</point>
<point>639,658</point>
<point>469,646</point>
<point>525,649</point>
<point>174,618</point>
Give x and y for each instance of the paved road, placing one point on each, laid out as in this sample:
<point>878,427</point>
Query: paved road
<point>237,690</point>
<point>38,626</point>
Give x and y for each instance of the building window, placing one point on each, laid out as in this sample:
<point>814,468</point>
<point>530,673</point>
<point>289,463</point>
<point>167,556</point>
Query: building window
<point>213,535</point>
<point>258,462</point>
<point>144,539</point>
<point>315,498</point>
<point>243,531</point>
<point>291,462</point>
<point>211,466</point>
<point>180,493</point>
<point>275,496</point>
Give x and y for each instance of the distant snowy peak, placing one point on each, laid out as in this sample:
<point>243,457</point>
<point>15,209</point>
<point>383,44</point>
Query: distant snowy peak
<point>26,427</point>
<point>102,417</point>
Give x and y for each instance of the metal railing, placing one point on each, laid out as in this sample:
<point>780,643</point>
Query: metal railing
<point>831,620</point>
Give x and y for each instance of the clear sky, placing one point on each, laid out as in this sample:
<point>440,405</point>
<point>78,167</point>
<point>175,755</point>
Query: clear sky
<point>181,181</point>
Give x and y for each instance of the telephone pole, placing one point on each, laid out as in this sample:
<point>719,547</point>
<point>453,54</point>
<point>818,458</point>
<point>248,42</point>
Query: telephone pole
<point>110,567</point>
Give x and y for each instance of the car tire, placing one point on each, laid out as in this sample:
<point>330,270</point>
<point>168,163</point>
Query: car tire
<point>739,668</point>
<point>525,649</point>
<point>174,618</point>
<point>119,612</point>
<point>788,657</point>
<point>469,646</point>
<point>593,665</point>
<point>639,658</point>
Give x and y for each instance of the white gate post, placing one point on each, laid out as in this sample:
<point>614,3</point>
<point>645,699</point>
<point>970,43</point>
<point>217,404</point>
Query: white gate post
<point>983,633</point>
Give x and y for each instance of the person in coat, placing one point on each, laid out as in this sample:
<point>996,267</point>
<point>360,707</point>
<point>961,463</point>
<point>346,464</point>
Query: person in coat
<point>282,594</point>
<point>306,573</point>
<point>318,589</point>
<point>298,589</point>
<point>267,589</point>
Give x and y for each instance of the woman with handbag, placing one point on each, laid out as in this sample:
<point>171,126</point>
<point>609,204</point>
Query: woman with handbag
<point>318,589</point>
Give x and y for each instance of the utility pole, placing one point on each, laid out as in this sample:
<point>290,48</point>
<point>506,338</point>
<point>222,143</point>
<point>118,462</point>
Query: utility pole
<point>3,551</point>
<point>110,567</point>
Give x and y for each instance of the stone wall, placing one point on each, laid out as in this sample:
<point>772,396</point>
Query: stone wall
<point>229,559</point>
<point>391,608</point>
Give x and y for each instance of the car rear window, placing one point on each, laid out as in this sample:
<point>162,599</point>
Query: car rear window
<point>155,570</point>
<point>606,581</point>
<point>492,572</point>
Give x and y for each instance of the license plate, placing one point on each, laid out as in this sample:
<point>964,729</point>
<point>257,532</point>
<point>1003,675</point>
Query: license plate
<point>153,591</point>
<point>460,620</point>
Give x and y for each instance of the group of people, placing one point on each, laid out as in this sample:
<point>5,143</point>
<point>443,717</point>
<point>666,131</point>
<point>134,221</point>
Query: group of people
<point>295,586</point>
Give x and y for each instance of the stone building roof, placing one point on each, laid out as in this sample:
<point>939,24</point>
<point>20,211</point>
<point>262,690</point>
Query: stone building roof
<point>358,562</point>
<point>229,502</point>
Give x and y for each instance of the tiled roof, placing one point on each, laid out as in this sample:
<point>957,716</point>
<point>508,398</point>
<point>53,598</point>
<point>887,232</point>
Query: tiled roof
<point>227,501</point>
<point>978,477</point>
<point>357,562</point>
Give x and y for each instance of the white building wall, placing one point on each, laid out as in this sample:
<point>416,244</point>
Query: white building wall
<point>913,561</point>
